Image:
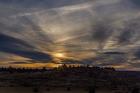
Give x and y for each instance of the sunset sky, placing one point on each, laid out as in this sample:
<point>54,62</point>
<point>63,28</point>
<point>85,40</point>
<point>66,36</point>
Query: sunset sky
<point>38,33</point>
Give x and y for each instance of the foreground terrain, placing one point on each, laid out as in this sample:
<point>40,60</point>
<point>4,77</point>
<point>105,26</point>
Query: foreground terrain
<point>68,79</point>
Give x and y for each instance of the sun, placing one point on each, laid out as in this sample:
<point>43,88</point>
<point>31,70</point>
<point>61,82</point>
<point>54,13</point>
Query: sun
<point>59,55</point>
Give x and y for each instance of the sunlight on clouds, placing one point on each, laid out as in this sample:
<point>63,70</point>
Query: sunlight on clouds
<point>59,55</point>
<point>81,31</point>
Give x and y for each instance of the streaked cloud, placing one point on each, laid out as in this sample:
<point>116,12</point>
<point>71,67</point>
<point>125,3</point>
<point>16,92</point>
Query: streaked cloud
<point>96,32</point>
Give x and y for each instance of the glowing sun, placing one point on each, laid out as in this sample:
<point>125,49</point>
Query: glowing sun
<point>59,55</point>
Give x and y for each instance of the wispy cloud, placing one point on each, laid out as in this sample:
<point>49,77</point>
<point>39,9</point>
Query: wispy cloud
<point>82,28</point>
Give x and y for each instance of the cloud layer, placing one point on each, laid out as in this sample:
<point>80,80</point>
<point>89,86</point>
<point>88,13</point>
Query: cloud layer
<point>96,32</point>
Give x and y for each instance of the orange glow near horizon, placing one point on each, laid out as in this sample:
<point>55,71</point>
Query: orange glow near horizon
<point>34,65</point>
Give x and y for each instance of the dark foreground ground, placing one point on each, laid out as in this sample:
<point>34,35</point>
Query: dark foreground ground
<point>68,80</point>
<point>54,90</point>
